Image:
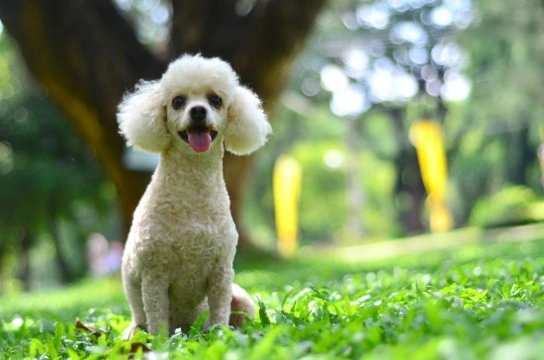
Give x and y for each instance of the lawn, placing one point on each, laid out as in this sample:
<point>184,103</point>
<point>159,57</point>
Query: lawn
<point>477,301</point>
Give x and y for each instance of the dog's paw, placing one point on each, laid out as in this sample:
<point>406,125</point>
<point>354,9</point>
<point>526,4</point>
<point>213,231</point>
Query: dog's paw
<point>131,330</point>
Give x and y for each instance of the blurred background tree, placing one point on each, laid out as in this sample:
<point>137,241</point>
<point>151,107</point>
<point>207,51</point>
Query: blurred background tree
<point>88,53</point>
<point>379,56</point>
<point>53,192</point>
<point>381,65</point>
<point>369,71</point>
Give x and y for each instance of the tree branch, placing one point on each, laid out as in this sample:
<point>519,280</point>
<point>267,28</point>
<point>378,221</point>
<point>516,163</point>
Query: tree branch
<point>273,32</point>
<point>213,33</point>
<point>283,33</point>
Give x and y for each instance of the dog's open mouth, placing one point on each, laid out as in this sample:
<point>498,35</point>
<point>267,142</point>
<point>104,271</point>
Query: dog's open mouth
<point>199,138</point>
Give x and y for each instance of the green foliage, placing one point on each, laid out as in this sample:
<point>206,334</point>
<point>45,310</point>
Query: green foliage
<point>479,301</point>
<point>512,205</point>
<point>501,48</point>
<point>52,189</point>
<point>470,176</point>
<point>319,147</point>
<point>49,162</point>
<point>505,48</point>
<point>505,63</point>
<point>323,190</point>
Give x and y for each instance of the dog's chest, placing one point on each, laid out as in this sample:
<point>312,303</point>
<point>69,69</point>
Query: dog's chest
<point>183,239</point>
<point>200,247</point>
<point>182,228</point>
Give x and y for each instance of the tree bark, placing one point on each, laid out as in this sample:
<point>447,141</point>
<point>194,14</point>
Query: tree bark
<point>519,156</point>
<point>65,271</point>
<point>87,55</point>
<point>25,271</point>
<point>409,188</point>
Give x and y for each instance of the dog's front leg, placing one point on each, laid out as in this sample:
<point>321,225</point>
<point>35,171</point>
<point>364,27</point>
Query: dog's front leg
<point>155,298</point>
<point>220,294</point>
<point>133,291</point>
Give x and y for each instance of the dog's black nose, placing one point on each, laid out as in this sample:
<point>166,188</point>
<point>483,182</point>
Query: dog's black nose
<point>198,113</point>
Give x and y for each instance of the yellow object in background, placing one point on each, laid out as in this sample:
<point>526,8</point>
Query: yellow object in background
<point>431,154</point>
<point>286,182</point>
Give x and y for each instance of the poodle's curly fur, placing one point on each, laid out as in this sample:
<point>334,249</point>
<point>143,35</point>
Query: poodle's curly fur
<point>178,258</point>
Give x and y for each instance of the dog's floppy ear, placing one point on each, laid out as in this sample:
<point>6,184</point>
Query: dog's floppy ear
<point>247,127</point>
<point>142,118</point>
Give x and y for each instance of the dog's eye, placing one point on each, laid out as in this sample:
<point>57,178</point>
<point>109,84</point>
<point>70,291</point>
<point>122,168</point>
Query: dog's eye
<point>178,102</point>
<point>215,100</point>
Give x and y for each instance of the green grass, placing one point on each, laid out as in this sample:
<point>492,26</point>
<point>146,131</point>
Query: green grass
<point>474,302</point>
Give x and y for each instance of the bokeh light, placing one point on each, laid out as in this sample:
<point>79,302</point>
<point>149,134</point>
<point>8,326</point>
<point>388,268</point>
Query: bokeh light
<point>397,50</point>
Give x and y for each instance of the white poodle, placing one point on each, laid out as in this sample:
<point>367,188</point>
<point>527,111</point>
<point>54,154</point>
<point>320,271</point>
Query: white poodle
<point>178,257</point>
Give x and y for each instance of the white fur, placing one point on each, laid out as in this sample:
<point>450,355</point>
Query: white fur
<point>141,118</point>
<point>243,137</point>
<point>178,257</point>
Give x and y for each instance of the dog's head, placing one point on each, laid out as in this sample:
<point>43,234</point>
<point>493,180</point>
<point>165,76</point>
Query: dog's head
<point>197,104</point>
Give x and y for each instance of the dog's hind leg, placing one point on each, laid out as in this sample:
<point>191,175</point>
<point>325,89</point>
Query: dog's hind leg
<point>241,306</point>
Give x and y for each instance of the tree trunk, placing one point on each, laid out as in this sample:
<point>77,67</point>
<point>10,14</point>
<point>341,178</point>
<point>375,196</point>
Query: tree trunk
<point>86,55</point>
<point>25,270</point>
<point>409,189</point>
<point>65,272</point>
<point>519,157</point>
<point>410,192</point>
<point>355,193</point>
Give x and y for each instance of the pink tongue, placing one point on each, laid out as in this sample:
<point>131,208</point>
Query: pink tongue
<point>200,141</point>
